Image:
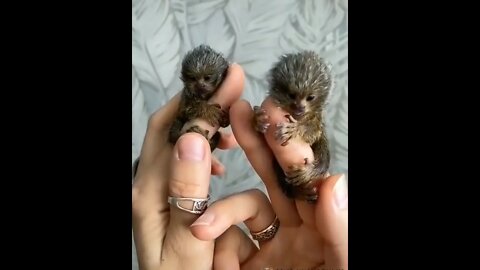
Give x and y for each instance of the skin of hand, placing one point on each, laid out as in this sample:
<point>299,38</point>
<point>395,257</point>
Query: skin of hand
<point>311,236</point>
<point>162,233</point>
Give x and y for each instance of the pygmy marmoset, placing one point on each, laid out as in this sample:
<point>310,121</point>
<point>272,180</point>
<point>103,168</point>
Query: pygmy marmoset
<point>203,71</point>
<point>300,83</point>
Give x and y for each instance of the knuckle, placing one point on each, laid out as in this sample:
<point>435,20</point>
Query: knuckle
<point>153,121</point>
<point>185,189</point>
<point>257,195</point>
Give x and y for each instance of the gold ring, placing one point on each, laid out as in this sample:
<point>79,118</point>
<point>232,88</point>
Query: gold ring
<point>267,233</point>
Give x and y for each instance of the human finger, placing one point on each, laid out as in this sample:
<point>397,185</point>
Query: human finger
<point>217,166</point>
<point>231,88</point>
<point>261,158</point>
<point>156,137</point>
<point>251,207</point>
<point>306,210</point>
<point>227,141</point>
<point>232,248</point>
<point>332,219</point>
<point>160,121</point>
<point>189,178</point>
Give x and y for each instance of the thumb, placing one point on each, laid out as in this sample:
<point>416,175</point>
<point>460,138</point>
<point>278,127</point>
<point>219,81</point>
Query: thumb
<point>331,217</point>
<point>190,177</point>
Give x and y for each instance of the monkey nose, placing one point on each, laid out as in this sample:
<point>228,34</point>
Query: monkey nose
<point>299,110</point>
<point>201,86</point>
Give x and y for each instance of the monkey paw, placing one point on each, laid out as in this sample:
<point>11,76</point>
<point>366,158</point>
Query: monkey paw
<point>224,120</point>
<point>215,115</point>
<point>285,132</point>
<point>310,195</point>
<point>260,119</point>
<point>299,174</point>
<point>306,193</point>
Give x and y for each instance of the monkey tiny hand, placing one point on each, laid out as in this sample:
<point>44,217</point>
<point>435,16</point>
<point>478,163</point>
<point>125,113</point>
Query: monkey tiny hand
<point>224,119</point>
<point>300,178</point>
<point>214,115</point>
<point>261,123</point>
<point>286,131</point>
<point>299,174</point>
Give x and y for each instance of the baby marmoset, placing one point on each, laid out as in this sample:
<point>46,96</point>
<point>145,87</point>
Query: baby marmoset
<point>300,83</point>
<point>203,71</point>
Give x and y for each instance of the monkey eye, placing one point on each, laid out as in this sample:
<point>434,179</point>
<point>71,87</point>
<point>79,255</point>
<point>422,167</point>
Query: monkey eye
<point>207,77</point>
<point>292,96</point>
<point>310,98</point>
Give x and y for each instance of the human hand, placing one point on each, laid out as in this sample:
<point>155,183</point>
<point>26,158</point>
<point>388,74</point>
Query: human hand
<point>310,236</point>
<point>161,231</point>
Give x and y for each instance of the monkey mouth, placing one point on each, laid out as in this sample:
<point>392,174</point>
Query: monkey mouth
<point>298,115</point>
<point>203,96</point>
<point>204,93</point>
<point>297,112</point>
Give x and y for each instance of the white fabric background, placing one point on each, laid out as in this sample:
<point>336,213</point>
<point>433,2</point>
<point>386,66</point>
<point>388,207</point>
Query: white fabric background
<point>252,33</point>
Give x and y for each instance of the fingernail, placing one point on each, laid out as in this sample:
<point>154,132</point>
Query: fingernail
<point>341,193</point>
<point>204,220</point>
<point>191,148</point>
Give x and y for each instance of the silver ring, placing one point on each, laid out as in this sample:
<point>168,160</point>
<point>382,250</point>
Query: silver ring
<point>267,233</point>
<point>198,206</point>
